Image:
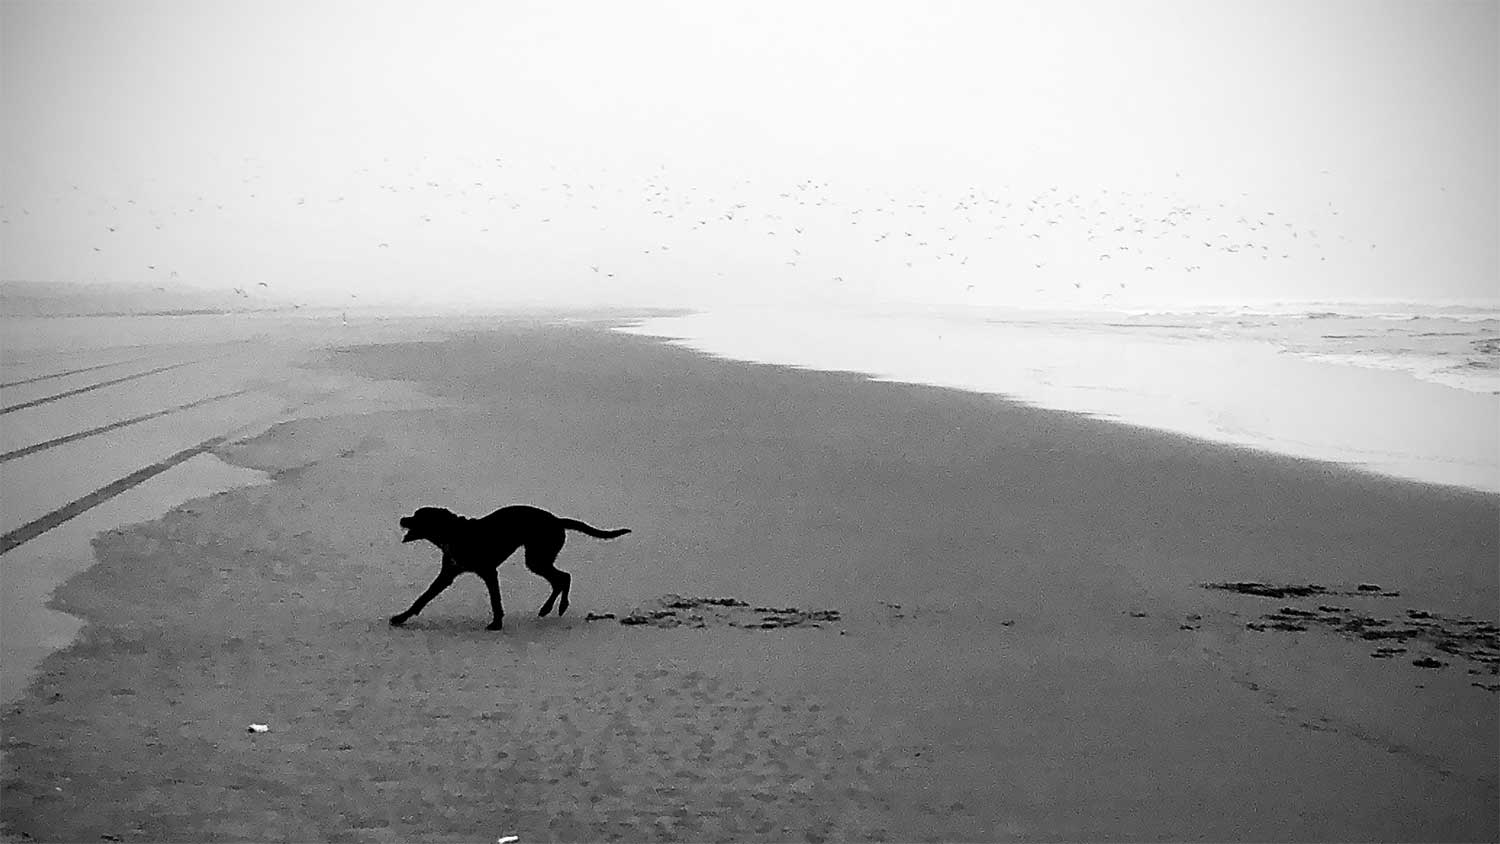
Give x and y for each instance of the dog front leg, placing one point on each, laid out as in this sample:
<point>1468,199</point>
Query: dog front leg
<point>497,611</point>
<point>444,579</point>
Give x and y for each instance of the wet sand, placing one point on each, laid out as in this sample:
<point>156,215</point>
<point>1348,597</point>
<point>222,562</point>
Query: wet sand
<point>935,616</point>
<point>111,420</point>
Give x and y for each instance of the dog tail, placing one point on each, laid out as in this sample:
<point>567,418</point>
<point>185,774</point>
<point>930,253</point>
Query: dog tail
<point>574,524</point>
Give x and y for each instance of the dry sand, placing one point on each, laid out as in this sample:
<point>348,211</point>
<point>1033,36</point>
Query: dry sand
<point>1019,645</point>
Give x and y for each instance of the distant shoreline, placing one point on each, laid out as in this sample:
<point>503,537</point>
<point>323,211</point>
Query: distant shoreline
<point>1281,395</point>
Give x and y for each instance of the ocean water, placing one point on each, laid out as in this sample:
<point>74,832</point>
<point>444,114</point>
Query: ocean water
<point>1454,345</point>
<point>1403,391</point>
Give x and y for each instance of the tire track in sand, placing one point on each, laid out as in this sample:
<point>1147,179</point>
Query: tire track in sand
<point>99,386</point>
<point>67,372</point>
<point>31,530</point>
<point>104,429</point>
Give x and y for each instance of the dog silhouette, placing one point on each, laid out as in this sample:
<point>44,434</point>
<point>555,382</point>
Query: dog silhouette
<point>481,545</point>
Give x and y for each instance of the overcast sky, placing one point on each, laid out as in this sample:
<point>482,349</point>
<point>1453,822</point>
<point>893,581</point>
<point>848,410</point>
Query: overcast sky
<point>676,153</point>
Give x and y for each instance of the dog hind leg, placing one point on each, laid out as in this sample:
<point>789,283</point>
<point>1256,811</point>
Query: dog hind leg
<point>561,582</point>
<point>540,560</point>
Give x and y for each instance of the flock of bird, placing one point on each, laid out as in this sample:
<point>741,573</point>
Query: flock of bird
<point>614,229</point>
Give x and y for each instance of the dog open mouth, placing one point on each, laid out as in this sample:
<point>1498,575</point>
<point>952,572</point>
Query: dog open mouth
<point>412,534</point>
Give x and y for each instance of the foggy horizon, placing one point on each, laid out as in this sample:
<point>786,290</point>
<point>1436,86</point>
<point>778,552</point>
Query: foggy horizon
<point>1076,154</point>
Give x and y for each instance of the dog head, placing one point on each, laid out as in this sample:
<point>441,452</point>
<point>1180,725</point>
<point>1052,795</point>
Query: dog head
<point>433,524</point>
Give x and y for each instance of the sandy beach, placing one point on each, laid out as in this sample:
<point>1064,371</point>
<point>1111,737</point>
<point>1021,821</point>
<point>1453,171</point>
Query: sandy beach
<point>934,615</point>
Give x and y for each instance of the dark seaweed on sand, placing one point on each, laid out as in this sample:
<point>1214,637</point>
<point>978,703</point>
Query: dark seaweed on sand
<point>677,611</point>
<point>1269,590</point>
<point>1467,638</point>
<point>1293,590</point>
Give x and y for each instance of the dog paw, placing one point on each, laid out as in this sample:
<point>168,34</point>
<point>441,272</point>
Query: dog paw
<point>494,625</point>
<point>398,620</point>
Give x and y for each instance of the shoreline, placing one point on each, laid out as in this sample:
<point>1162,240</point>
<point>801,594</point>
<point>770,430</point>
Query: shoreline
<point>1236,391</point>
<point>943,526</point>
<point>35,570</point>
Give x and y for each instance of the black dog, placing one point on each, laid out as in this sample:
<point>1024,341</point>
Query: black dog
<point>481,545</point>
